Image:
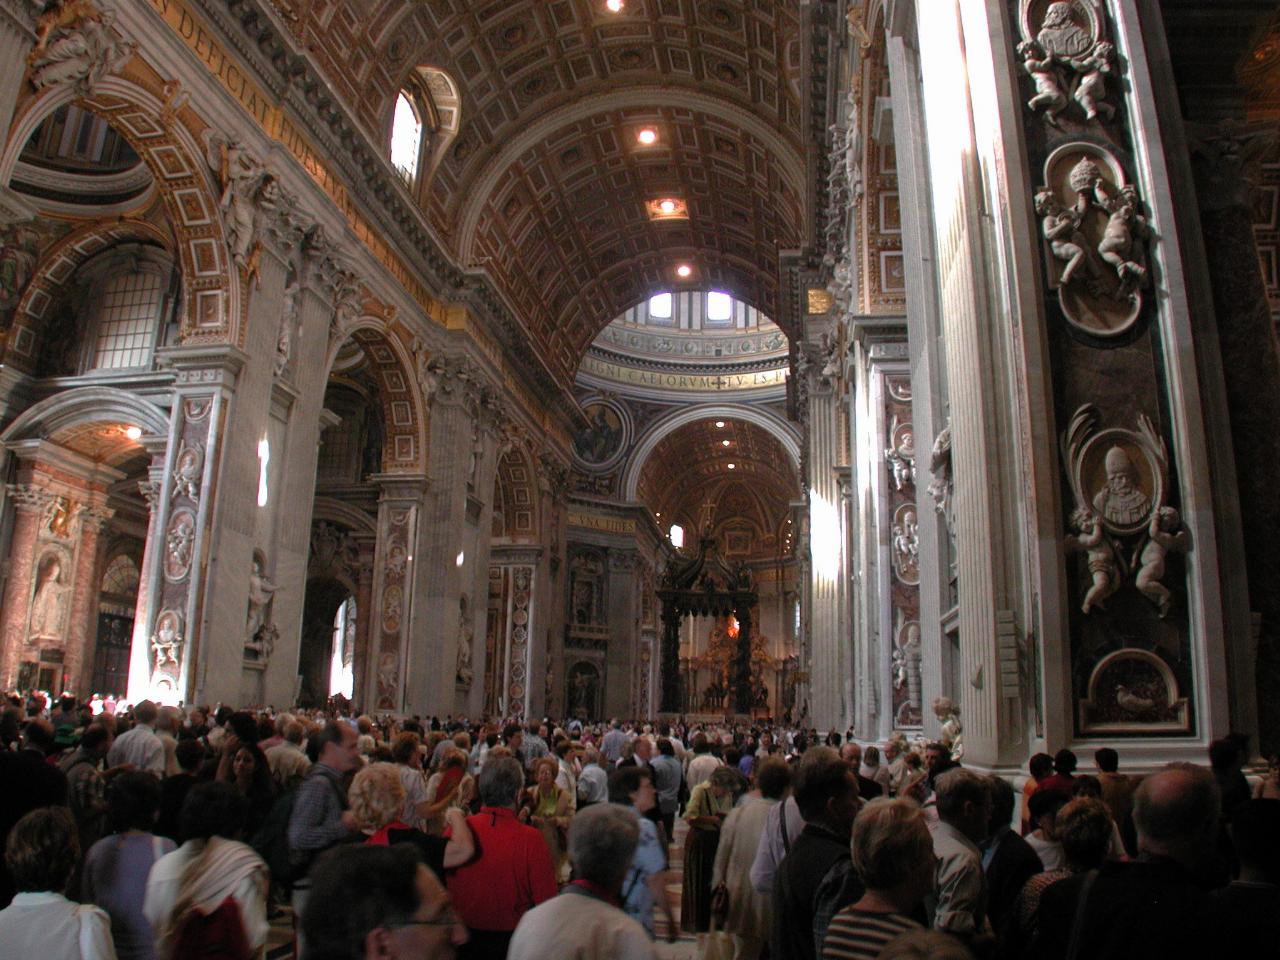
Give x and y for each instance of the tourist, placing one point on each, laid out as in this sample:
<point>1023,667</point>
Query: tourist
<point>566,774</point>
<point>644,884</point>
<point>611,745</point>
<point>873,769</point>
<point>1154,907</point>
<point>1008,860</point>
<point>40,854</point>
<point>1249,906</point>
<point>320,817</point>
<point>188,890</point>
<point>378,804</point>
<point>87,784</point>
<point>546,808</point>
<point>173,790</point>
<point>1084,826</point>
<point>1040,766</point>
<point>703,762</point>
<point>1117,794</point>
<point>584,922</point>
<point>30,782</point>
<point>749,919</point>
<point>287,759</point>
<point>958,904</point>
<point>451,787</point>
<point>816,879</point>
<point>116,868</point>
<point>668,776</point>
<point>708,807</point>
<point>1063,777</point>
<point>513,870</point>
<point>851,754</point>
<point>892,853</point>
<point>1045,805</point>
<point>245,767</point>
<point>593,781</point>
<point>378,903</point>
<point>140,747</point>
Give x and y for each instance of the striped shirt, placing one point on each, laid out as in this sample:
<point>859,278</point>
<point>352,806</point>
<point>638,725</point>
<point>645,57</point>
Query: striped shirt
<point>861,934</point>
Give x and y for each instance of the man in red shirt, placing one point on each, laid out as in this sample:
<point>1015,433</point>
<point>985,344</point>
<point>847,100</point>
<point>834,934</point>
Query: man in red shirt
<point>512,871</point>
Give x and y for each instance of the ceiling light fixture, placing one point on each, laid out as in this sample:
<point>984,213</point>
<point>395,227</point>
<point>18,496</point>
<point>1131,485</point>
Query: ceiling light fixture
<point>720,424</point>
<point>724,443</point>
<point>647,136</point>
<point>732,466</point>
<point>684,271</point>
<point>613,6</point>
<point>133,433</point>
<point>667,208</point>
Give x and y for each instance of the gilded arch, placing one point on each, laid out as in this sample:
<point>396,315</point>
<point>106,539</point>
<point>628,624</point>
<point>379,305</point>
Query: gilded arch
<point>211,296</point>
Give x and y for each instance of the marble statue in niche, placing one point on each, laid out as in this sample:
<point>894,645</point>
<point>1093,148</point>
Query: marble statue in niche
<point>900,455</point>
<point>257,640</point>
<point>466,634</point>
<point>49,603</point>
<point>288,324</point>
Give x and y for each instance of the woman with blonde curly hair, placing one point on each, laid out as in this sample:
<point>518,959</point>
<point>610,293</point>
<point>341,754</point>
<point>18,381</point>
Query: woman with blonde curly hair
<point>546,806</point>
<point>377,801</point>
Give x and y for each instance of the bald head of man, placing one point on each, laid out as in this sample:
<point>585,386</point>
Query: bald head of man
<point>1175,811</point>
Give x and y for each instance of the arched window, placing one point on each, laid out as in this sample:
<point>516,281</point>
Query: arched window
<point>406,137</point>
<point>719,306</point>
<point>676,536</point>
<point>660,306</point>
<point>123,320</point>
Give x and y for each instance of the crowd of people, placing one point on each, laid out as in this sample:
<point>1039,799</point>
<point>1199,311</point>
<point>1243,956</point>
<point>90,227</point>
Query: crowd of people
<point>161,833</point>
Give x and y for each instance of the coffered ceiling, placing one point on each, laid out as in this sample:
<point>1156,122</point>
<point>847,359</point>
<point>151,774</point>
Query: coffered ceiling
<point>545,185</point>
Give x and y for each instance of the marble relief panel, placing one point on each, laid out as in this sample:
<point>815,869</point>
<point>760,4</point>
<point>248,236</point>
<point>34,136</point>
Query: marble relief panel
<point>900,461</point>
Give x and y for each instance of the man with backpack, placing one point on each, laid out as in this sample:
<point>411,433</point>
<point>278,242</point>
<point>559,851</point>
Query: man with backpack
<point>319,818</point>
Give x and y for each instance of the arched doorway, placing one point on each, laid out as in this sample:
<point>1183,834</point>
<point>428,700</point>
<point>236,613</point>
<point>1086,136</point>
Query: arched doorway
<point>328,633</point>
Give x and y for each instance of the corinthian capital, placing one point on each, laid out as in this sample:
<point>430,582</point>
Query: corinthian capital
<point>30,499</point>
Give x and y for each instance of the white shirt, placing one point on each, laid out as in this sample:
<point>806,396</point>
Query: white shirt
<point>576,927</point>
<point>140,747</point>
<point>50,925</point>
<point>701,768</point>
<point>772,849</point>
<point>1049,851</point>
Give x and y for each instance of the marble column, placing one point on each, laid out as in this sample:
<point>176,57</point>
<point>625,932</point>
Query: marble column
<point>17,39</point>
<point>140,656</point>
<point>830,675</point>
<point>82,633</point>
<point>623,637</point>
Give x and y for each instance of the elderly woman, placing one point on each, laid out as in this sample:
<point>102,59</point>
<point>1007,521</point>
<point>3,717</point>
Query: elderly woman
<point>893,854</point>
<point>750,916</point>
<point>546,807</point>
<point>377,801</point>
<point>709,804</point>
<point>40,853</point>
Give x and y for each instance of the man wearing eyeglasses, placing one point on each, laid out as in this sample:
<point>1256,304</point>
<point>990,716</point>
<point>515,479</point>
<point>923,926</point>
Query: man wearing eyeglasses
<point>378,902</point>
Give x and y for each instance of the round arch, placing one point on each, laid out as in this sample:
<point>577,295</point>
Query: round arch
<point>23,343</point>
<point>644,447</point>
<point>404,438</point>
<point>81,405</point>
<point>517,488</point>
<point>212,297</point>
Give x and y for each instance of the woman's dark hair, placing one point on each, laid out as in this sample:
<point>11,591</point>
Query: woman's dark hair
<point>666,747</point>
<point>213,810</point>
<point>262,779</point>
<point>133,800</point>
<point>700,743</point>
<point>355,890</point>
<point>42,850</point>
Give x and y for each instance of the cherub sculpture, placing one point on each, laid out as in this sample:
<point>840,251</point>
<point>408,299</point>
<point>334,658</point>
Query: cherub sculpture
<point>1040,66</point>
<point>1163,535</point>
<point>1091,538</point>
